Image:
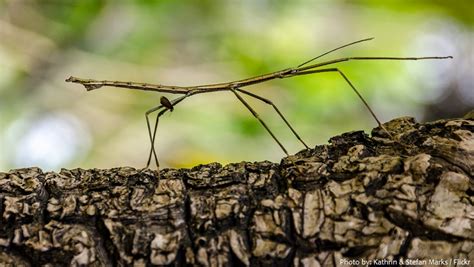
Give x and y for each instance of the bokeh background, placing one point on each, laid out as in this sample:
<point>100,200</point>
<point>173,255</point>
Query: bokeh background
<point>51,124</point>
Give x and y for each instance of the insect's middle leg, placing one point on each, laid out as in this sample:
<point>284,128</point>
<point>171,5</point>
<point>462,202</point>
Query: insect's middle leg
<point>255,114</point>
<point>269,102</point>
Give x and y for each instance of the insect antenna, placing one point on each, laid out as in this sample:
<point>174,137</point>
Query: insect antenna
<point>335,49</point>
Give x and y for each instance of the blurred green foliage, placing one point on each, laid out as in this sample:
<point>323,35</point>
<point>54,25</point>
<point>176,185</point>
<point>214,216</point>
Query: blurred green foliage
<point>49,123</point>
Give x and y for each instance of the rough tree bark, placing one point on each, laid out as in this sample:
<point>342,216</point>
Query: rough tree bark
<point>358,198</point>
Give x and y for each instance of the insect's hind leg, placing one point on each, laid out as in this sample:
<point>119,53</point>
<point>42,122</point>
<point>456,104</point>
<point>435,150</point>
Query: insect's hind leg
<point>160,113</point>
<point>152,137</point>
<point>269,102</point>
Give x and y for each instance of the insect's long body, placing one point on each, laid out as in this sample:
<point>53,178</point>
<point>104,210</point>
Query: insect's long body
<point>91,84</point>
<point>236,88</point>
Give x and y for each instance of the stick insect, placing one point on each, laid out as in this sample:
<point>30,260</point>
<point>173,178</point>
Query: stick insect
<point>235,87</point>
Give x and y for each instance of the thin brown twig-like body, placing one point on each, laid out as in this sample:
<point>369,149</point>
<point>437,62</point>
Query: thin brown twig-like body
<point>236,88</point>
<point>91,84</point>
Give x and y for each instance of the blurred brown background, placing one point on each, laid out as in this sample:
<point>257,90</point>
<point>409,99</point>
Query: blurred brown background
<point>48,123</point>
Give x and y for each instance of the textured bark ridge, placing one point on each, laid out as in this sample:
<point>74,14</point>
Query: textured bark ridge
<point>359,197</point>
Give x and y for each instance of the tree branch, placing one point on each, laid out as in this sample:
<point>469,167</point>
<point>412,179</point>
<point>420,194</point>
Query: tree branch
<point>358,198</point>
